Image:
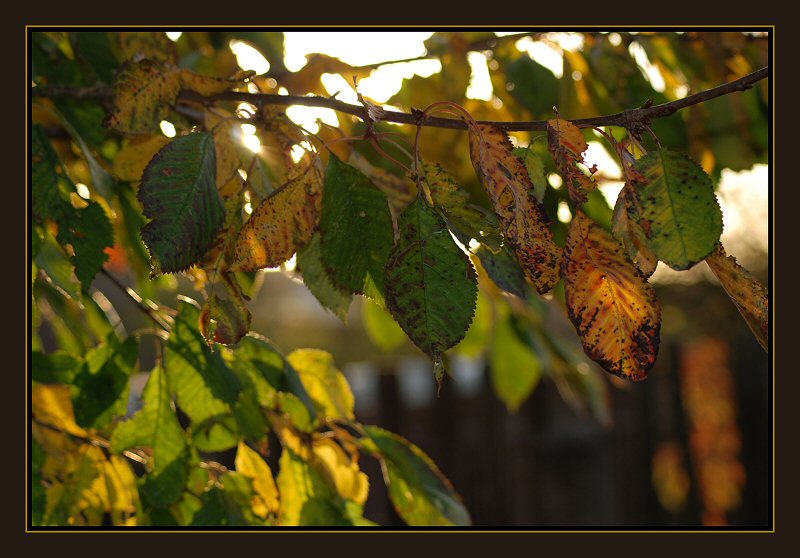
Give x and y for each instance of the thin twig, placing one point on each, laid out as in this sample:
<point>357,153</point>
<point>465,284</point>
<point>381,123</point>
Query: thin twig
<point>629,119</point>
<point>137,300</point>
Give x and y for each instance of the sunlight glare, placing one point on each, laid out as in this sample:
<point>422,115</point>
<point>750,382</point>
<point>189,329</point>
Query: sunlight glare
<point>480,84</point>
<point>174,35</point>
<point>83,190</point>
<point>564,214</point>
<point>650,70</point>
<point>249,58</point>
<point>544,54</point>
<point>307,117</point>
<point>168,129</point>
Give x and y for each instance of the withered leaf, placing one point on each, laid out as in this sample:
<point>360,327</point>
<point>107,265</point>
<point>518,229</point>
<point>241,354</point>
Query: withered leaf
<point>567,144</point>
<point>523,219</point>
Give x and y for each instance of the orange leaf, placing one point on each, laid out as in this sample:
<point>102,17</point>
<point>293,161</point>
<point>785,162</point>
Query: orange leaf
<point>749,296</point>
<point>613,308</point>
<point>282,224</point>
<point>567,144</point>
<point>523,219</point>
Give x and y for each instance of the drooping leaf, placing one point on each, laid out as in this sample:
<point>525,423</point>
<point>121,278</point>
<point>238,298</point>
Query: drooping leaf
<point>225,317</point>
<point>469,219</point>
<point>567,144</point>
<point>535,167</point>
<point>156,426</point>
<point>613,308</point>
<point>677,208</point>
<point>316,278</point>
<point>179,193</point>
<point>250,464</point>
<point>282,224</point>
<point>630,233</point>
<point>102,384</point>
<point>381,328</point>
<point>327,386</point>
<point>749,296</point>
<point>523,219</point>
<point>207,86</point>
<point>131,160</point>
<point>515,368</point>
<point>144,92</point>
<point>204,385</point>
<point>356,229</point>
<point>430,283</point>
<point>421,494</point>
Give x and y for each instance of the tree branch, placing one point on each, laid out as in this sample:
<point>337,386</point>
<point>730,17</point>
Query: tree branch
<point>630,119</point>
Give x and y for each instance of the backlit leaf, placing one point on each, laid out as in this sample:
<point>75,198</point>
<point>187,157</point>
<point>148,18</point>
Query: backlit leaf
<point>523,219</point>
<point>250,464</point>
<point>613,308</point>
<point>179,193</point>
<point>316,278</point>
<point>749,296</point>
<point>381,328</point>
<point>282,224</point>
<point>327,386</point>
<point>356,229</point>
<point>156,426</point>
<point>225,317</point>
<point>535,167</point>
<point>430,283</point>
<point>630,233</point>
<point>567,144</point>
<point>515,368</point>
<point>421,494</point>
<point>131,160</point>
<point>677,208</point>
<point>208,86</point>
<point>469,219</point>
<point>89,232</point>
<point>143,95</point>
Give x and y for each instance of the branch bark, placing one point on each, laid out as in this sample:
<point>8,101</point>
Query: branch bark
<point>630,119</point>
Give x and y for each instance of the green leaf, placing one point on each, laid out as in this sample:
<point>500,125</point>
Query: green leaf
<point>356,229</point>
<point>381,328</point>
<point>102,385</point>
<point>59,367</point>
<point>316,278</point>
<point>430,283</point>
<point>679,211</point>
<point>468,219</point>
<point>157,427</point>
<point>421,494</point>
<point>515,369</point>
<point>535,167</point>
<point>532,85</point>
<point>225,317</point>
<point>327,386</point>
<point>46,199</point>
<point>204,385</point>
<point>179,192</point>
<point>56,265</point>
<point>89,232</point>
<point>216,434</point>
<point>503,269</point>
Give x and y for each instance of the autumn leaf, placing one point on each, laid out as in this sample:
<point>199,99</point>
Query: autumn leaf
<point>749,296</point>
<point>567,145</point>
<point>632,235</point>
<point>143,95</point>
<point>281,225</point>
<point>207,85</point>
<point>225,317</point>
<point>154,45</point>
<point>613,308</point>
<point>131,160</point>
<point>523,219</point>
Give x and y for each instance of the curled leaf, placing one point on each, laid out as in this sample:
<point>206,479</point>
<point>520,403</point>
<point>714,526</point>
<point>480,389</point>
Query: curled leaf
<point>567,144</point>
<point>749,296</point>
<point>225,317</point>
<point>522,218</point>
<point>613,308</point>
<point>630,233</point>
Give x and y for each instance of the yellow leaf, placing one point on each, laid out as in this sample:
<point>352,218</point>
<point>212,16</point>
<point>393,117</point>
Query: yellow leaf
<point>343,471</point>
<point>143,94</point>
<point>154,45</point>
<point>567,144</point>
<point>326,385</point>
<point>52,405</point>
<point>523,219</point>
<point>251,465</point>
<point>208,86</point>
<point>227,143</point>
<point>281,225</point>
<point>749,296</point>
<point>613,308</point>
<point>131,160</point>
